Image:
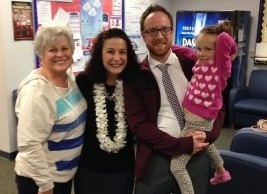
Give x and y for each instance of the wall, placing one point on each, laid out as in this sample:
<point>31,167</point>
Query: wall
<point>17,58</point>
<point>247,5</point>
<point>16,61</point>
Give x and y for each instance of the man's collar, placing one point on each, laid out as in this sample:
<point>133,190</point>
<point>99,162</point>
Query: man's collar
<point>153,62</point>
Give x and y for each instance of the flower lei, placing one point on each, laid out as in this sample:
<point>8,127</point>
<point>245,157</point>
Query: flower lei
<point>100,95</point>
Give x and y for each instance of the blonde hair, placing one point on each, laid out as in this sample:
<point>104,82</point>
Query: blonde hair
<point>225,26</point>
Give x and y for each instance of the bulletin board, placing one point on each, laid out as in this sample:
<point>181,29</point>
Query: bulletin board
<point>261,44</point>
<point>87,18</point>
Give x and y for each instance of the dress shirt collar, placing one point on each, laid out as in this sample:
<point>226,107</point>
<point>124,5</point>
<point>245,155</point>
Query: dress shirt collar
<point>153,63</point>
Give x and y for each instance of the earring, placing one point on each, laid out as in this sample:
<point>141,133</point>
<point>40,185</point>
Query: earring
<point>42,64</point>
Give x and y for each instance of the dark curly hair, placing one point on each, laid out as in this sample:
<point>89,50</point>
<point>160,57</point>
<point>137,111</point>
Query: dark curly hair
<point>94,68</point>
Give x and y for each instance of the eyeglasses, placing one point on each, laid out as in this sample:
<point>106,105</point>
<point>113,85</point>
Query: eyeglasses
<point>154,31</point>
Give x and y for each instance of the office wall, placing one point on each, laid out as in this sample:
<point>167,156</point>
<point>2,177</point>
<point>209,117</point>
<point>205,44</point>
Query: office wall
<point>249,5</point>
<point>17,58</point>
<point>3,98</point>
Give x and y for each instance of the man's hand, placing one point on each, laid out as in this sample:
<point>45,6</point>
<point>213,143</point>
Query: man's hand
<point>199,141</point>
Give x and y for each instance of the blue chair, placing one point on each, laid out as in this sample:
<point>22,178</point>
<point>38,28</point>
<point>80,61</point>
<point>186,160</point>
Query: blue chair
<point>249,104</point>
<point>247,162</point>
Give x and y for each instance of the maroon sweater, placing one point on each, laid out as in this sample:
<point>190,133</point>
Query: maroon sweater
<point>142,104</point>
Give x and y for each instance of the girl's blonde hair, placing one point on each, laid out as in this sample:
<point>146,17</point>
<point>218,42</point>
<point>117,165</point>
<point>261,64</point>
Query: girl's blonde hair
<point>225,26</point>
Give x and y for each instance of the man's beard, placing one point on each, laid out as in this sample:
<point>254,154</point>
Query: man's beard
<point>159,52</point>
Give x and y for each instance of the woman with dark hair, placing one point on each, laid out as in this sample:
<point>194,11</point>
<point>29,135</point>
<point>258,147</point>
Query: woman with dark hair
<point>107,158</point>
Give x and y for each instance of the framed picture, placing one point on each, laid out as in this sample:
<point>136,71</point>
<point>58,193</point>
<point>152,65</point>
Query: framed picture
<point>22,20</point>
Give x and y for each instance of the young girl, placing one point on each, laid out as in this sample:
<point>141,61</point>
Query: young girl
<point>215,51</point>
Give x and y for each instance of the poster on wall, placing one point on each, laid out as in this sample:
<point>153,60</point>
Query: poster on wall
<point>261,44</point>
<point>59,0</point>
<point>22,20</point>
<point>133,12</point>
<point>112,14</point>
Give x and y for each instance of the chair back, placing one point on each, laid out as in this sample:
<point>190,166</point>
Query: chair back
<point>258,84</point>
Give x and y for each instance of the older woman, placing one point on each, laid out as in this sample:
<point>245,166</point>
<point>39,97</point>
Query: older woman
<point>51,117</point>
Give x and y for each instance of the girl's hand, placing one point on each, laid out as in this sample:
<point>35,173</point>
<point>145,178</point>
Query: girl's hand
<point>189,132</point>
<point>233,57</point>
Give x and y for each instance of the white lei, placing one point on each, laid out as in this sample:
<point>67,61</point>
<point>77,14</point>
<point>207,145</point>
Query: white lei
<point>100,96</point>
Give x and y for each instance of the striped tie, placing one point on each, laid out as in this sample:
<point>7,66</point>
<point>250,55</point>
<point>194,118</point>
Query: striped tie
<point>171,95</point>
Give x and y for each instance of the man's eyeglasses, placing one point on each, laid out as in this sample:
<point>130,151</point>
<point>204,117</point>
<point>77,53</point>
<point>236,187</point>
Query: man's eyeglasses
<point>154,31</point>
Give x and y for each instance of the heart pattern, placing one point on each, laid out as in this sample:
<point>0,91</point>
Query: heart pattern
<point>203,86</point>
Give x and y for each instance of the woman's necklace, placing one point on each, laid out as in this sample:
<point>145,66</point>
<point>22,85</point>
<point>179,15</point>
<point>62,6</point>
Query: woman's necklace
<point>110,97</point>
<point>100,96</point>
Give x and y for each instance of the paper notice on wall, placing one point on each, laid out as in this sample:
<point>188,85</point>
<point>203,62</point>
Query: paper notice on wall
<point>133,12</point>
<point>62,16</point>
<point>261,53</point>
<point>261,50</point>
<point>59,0</point>
<point>44,12</point>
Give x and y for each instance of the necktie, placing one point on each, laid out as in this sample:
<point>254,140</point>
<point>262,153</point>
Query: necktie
<point>171,95</point>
